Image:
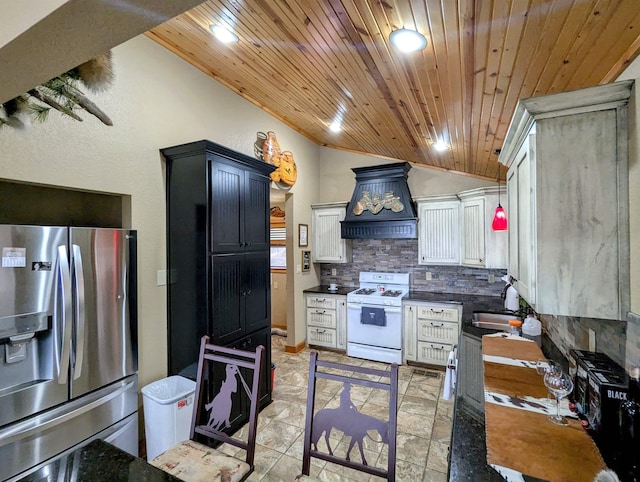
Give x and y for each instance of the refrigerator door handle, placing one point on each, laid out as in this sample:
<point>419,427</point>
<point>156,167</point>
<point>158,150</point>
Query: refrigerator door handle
<point>65,293</point>
<point>78,276</point>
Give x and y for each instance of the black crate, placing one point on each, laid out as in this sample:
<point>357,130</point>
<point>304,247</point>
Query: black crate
<point>585,362</point>
<point>606,391</point>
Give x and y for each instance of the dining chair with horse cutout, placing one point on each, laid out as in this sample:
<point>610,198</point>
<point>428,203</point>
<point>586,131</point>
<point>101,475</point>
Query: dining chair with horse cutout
<point>196,460</point>
<point>344,435</point>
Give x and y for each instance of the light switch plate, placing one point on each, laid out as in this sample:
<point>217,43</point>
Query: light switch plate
<point>161,277</point>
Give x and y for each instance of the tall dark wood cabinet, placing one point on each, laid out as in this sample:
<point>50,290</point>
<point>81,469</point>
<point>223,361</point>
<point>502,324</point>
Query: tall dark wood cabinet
<point>217,253</point>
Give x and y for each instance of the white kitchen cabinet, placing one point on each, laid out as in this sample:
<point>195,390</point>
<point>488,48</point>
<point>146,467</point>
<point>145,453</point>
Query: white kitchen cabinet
<point>326,320</point>
<point>409,332</point>
<point>520,216</point>
<point>438,230</point>
<point>470,373</point>
<point>456,229</point>
<point>568,180</point>
<point>481,246</point>
<point>341,323</point>
<point>431,330</point>
<point>327,243</point>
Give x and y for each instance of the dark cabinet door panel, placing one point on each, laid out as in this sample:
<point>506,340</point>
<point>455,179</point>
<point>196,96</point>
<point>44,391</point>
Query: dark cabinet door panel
<point>227,221</point>
<point>257,292</point>
<point>256,212</point>
<point>226,324</point>
<point>250,343</point>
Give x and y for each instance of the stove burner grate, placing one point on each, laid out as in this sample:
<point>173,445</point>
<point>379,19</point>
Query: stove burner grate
<point>365,291</point>
<point>392,293</point>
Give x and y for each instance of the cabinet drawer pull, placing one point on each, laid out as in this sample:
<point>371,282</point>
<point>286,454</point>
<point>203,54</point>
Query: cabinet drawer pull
<point>321,312</point>
<point>436,311</point>
<point>439,325</point>
<point>437,347</point>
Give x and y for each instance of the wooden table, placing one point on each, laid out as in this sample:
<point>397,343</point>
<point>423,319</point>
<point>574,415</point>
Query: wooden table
<point>520,438</point>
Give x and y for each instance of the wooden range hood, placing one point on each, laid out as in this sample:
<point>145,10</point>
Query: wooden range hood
<point>381,206</point>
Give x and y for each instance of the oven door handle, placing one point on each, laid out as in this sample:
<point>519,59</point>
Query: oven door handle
<point>387,309</point>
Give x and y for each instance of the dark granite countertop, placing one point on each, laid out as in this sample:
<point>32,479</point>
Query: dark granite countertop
<point>324,289</point>
<point>99,461</point>
<point>468,452</point>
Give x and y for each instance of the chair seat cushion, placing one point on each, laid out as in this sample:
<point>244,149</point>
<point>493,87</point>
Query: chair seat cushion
<point>194,462</point>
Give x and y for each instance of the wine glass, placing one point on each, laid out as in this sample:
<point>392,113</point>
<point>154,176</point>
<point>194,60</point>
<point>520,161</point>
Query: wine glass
<point>542,367</point>
<point>561,385</point>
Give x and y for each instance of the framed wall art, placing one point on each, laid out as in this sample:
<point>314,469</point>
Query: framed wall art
<point>306,260</point>
<point>303,235</point>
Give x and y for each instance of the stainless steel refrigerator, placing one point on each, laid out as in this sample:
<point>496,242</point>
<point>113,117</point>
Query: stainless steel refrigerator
<point>68,342</point>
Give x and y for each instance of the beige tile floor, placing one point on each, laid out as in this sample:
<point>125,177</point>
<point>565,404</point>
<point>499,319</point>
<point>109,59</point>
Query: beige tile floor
<point>424,422</point>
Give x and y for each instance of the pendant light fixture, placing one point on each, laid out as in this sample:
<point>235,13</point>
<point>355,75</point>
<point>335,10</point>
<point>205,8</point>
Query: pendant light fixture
<point>500,217</point>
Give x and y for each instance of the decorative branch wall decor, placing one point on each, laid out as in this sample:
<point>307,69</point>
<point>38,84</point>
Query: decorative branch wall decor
<point>62,94</point>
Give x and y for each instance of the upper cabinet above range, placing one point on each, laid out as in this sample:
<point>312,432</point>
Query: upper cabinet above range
<point>568,199</point>
<point>456,229</point>
<point>328,245</point>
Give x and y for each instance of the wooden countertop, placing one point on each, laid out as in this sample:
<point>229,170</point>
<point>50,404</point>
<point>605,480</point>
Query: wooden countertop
<point>519,435</point>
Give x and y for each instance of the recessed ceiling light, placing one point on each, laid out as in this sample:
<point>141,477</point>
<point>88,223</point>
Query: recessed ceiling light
<point>223,34</point>
<point>440,146</point>
<point>335,126</point>
<point>408,40</point>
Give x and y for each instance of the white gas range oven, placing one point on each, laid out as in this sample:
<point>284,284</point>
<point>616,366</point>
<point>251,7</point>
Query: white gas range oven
<point>374,317</point>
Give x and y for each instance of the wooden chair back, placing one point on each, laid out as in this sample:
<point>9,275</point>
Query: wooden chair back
<point>355,426</point>
<point>212,413</point>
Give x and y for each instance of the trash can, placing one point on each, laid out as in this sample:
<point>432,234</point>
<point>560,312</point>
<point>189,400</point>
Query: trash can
<point>168,407</point>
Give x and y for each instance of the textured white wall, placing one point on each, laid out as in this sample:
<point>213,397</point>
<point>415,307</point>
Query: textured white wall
<point>157,101</point>
<point>337,180</point>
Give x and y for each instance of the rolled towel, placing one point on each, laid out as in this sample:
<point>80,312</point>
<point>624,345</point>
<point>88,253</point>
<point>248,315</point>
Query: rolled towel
<point>450,376</point>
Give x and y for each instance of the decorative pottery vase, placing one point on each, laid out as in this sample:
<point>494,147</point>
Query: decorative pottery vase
<point>271,149</point>
<point>258,144</point>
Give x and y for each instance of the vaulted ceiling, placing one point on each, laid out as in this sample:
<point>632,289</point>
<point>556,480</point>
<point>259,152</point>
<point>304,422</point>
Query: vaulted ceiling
<point>308,62</point>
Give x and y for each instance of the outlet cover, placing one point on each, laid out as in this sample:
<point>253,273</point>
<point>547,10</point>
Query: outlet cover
<point>334,272</point>
<point>491,278</point>
<point>592,340</point>
<point>427,276</point>
<point>161,277</point>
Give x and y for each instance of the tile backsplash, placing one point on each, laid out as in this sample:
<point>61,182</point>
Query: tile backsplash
<point>572,332</point>
<point>401,256</point>
<point>618,339</point>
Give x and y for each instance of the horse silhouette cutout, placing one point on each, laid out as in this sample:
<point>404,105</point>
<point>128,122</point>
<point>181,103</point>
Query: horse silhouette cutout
<point>347,419</point>
<point>221,404</point>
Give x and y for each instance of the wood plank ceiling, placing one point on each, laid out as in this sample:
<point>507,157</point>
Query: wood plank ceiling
<point>308,62</point>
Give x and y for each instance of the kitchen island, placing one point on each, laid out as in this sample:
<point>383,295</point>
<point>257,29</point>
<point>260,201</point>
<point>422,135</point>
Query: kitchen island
<point>468,446</point>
